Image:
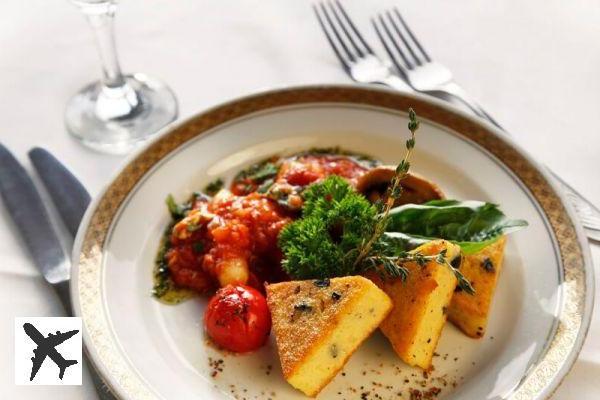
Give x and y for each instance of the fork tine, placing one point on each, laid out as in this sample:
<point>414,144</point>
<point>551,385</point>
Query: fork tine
<point>407,62</point>
<point>412,36</point>
<point>344,29</point>
<point>353,27</point>
<point>330,40</point>
<point>402,38</point>
<point>336,33</point>
<point>388,50</point>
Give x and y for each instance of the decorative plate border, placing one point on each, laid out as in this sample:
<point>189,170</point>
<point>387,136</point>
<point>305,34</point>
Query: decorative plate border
<point>575,313</point>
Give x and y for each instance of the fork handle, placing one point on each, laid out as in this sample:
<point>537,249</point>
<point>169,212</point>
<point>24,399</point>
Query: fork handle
<point>588,213</point>
<point>461,94</point>
<point>395,82</point>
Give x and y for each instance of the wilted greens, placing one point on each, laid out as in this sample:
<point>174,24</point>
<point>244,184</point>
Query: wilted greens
<point>471,224</point>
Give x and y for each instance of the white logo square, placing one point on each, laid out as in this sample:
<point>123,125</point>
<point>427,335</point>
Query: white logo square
<point>48,351</point>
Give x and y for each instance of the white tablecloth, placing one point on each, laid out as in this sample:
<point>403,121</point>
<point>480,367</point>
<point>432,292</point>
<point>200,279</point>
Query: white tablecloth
<point>535,66</point>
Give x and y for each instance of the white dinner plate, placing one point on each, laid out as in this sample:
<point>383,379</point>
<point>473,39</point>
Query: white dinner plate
<point>148,350</point>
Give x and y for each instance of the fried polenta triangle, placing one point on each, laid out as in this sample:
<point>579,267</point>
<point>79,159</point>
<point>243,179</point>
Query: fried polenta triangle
<point>319,324</point>
<point>470,312</point>
<point>415,324</point>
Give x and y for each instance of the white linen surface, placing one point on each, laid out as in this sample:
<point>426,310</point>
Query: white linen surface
<point>534,65</point>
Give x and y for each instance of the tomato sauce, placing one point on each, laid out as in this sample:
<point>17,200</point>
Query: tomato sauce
<point>296,172</point>
<point>233,237</point>
<point>307,169</point>
<point>247,228</point>
<point>242,228</point>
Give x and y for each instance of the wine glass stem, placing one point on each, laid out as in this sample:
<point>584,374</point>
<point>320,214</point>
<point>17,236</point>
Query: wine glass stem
<point>117,99</point>
<point>102,21</point>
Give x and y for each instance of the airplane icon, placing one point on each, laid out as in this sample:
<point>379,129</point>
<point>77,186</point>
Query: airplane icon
<point>46,347</point>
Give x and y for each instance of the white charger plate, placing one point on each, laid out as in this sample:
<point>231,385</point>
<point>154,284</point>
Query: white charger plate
<point>148,350</point>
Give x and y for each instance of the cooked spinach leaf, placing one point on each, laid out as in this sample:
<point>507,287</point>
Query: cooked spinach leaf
<point>399,242</point>
<point>471,224</point>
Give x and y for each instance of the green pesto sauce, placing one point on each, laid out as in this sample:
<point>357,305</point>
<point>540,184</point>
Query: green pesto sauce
<point>164,289</point>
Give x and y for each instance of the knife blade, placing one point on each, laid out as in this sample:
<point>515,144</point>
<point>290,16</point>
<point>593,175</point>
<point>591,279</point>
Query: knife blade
<point>31,219</point>
<point>67,193</point>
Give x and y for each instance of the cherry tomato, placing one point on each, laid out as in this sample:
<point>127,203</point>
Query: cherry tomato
<point>238,319</point>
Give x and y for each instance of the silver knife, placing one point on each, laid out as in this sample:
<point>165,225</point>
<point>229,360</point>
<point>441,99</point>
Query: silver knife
<point>25,206</point>
<point>31,219</point>
<point>67,193</point>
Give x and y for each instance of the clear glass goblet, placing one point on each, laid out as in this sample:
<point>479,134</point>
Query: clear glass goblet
<point>120,111</point>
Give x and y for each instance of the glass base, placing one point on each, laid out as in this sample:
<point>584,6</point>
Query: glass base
<point>115,120</point>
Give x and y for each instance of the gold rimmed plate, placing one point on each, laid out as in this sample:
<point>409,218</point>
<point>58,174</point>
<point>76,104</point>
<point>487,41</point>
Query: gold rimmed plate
<point>148,350</point>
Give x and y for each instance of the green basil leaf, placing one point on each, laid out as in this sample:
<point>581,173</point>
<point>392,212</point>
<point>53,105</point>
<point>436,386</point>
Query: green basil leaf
<point>471,224</point>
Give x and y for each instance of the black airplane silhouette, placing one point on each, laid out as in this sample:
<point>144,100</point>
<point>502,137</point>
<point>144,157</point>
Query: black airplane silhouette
<point>46,347</point>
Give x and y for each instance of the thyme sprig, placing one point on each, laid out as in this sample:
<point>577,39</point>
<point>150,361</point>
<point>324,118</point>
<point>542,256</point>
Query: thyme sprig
<point>394,192</point>
<point>393,266</point>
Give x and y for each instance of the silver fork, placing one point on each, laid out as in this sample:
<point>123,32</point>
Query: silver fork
<point>425,75</point>
<point>414,64</point>
<point>362,64</point>
<point>356,56</point>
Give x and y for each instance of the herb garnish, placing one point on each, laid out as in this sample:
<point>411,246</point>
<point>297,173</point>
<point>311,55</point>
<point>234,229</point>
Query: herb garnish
<point>259,173</point>
<point>393,193</point>
<point>488,265</point>
<point>213,187</point>
<point>302,307</point>
<point>177,211</point>
<point>161,271</point>
<point>341,233</point>
<point>164,288</point>
<point>258,177</point>
<point>322,283</point>
<point>335,220</point>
